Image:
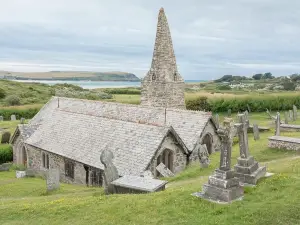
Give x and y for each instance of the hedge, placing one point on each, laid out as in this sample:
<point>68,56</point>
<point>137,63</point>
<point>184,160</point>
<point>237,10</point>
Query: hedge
<point>256,104</point>
<point>6,153</point>
<point>25,113</point>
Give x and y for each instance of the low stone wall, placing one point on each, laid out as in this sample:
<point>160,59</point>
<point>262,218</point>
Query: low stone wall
<point>290,127</point>
<point>286,143</point>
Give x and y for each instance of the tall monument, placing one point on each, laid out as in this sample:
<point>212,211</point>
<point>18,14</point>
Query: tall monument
<point>163,86</point>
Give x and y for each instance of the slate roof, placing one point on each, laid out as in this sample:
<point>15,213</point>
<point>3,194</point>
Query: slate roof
<point>187,124</point>
<point>82,138</point>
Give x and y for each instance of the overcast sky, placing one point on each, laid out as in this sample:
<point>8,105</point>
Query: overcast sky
<point>210,38</point>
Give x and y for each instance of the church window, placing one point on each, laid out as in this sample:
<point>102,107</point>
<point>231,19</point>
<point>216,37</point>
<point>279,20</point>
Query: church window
<point>69,169</point>
<point>153,76</point>
<point>45,160</point>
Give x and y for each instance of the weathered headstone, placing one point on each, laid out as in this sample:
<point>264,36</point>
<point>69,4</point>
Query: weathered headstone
<point>294,112</point>
<point>5,137</point>
<point>13,117</point>
<point>248,107</point>
<point>270,116</point>
<point>164,171</point>
<point>5,166</point>
<point>1,118</point>
<point>229,113</point>
<point>110,171</point>
<point>22,120</point>
<point>203,156</point>
<point>217,120</point>
<point>20,173</point>
<point>277,125</point>
<point>52,179</point>
<point>222,186</point>
<point>30,173</point>
<point>291,114</point>
<point>255,132</point>
<point>286,117</point>
<point>247,169</point>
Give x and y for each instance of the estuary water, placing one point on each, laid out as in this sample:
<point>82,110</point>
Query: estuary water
<point>94,84</point>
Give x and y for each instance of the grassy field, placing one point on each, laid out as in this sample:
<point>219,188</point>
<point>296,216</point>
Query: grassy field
<point>274,200</point>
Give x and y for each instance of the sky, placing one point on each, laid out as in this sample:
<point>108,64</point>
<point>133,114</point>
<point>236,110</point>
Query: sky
<point>210,38</point>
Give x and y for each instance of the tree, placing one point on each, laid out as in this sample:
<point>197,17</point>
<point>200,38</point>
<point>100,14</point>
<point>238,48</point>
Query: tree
<point>2,93</point>
<point>257,76</point>
<point>268,76</point>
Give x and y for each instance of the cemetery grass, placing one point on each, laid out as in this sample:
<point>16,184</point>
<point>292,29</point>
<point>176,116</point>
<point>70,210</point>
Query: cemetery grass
<point>274,201</point>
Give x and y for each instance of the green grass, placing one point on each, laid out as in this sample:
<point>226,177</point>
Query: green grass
<point>274,200</point>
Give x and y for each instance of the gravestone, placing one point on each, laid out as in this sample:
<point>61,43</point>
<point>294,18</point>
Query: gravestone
<point>270,116</point>
<point>286,117</point>
<point>203,156</point>
<point>52,179</point>
<point>248,107</point>
<point>22,120</point>
<point>277,125</point>
<point>30,173</point>
<point>5,167</point>
<point>246,115</point>
<point>291,114</point>
<point>5,137</point>
<point>1,118</point>
<point>217,121</point>
<point>13,117</point>
<point>164,171</point>
<point>294,112</point>
<point>255,132</point>
<point>247,169</point>
<point>110,171</point>
<point>229,113</point>
<point>20,173</point>
<point>222,186</point>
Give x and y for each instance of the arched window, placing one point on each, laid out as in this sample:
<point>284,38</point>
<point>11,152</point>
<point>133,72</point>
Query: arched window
<point>208,141</point>
<point>167,158</point>
<point>175,76</point>
<point>153,76</point>
<point>24,156</point>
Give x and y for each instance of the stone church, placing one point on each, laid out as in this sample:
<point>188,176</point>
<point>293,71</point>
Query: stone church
<point>70,134</point>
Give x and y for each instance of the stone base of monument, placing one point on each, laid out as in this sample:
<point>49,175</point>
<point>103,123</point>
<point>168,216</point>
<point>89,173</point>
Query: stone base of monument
<point>248,170</point>
<point>222,187</point>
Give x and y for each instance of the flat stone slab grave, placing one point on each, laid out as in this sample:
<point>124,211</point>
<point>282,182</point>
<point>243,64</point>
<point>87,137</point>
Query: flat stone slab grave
<point>286,143</point>
<point>290,127</point>
<point>135,184</point>
<point>261,129</point>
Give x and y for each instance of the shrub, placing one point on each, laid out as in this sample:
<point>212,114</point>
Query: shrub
<point>123,91</point>
<point>289,86</point>
<point>6,153</point>
<point>5,137</point>
<point>25,113</point>
<point>223,87</point>
<point>2,93</point>
<point>12,100</point>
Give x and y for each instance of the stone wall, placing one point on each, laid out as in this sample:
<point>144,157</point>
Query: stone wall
<point>55,161</point>
<point>209,129</point>
<point>163,94</point>
<point>294,146</point>
<point>179,157</point>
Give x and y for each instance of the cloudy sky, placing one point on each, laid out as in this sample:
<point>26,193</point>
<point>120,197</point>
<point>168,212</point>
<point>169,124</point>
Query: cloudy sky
<point>211,38</point>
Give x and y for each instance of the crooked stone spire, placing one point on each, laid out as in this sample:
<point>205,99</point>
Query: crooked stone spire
<point>163,67</point>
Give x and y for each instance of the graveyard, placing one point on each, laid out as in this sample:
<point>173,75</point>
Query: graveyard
<point>273,201</point>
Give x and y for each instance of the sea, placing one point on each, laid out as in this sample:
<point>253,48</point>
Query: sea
<point>95,84</point>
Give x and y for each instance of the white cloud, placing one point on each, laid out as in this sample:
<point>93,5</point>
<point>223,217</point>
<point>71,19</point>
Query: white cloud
<point>211,38</point>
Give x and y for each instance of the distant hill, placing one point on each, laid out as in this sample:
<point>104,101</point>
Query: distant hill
<point>70,75</point>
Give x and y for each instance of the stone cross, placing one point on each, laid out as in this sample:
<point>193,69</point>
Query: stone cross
<point>242,129</point>
<point>217,120</point>
<point>203,156</point>
<point>110,171</point>
<point>286,117</point>
<point>52,180</point>
<point>229,113</point>
<point>277,125</point>
<point>255,132</point>
<point>291,114</point>
<point>294,112</point>
<point>1,118</point>
<point>22,120</point>
<point>13,117</point>
<point>226,146</point>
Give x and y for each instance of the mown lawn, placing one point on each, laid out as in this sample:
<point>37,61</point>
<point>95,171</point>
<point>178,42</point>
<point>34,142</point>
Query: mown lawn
<point>274,200</point>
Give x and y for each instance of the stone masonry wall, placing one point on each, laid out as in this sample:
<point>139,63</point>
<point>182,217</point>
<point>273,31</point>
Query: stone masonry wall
<point>179,158</point>
<point>55,161</point>
<point>284,145</point>
<point>209,129</point>
<point>163,94</point>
